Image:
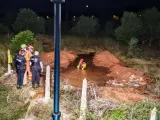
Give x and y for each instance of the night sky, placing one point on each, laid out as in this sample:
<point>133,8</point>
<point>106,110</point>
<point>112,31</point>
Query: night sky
<point>78,7</point>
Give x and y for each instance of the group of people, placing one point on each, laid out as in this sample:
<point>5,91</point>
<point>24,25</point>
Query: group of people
<point>29,63</point>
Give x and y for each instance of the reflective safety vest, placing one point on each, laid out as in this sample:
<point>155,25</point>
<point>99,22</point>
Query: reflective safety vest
<point>28,55</point>
<point>83,65</point>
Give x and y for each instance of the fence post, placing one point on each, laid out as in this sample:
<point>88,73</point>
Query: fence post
<point>9,61</point>
<point>47,84</point>
<point>9,68</point>
<point>154,114</point>
<point>25,78</point>
<point>83,101</point>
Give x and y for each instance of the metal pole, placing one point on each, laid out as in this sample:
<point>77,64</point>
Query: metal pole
<point>57,38</point>
<point>57,15</point>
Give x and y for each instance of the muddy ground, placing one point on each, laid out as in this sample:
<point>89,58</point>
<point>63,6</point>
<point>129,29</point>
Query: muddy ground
<point>105,71</point>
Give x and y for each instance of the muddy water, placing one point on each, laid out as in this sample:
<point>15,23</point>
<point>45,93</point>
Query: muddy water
<point>93,74</point>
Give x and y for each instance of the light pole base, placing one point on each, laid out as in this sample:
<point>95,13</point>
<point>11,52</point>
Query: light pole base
<point>56,116</point>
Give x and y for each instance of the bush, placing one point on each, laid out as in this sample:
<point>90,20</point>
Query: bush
<point>85,26</point>
<point>3,54</point>
<point>133,49</point>
<point>28,20</point>
<point>151,20</point>
<point>135,111</point>
<point>142,110</point>
<point>38,46</point>
<point>24,37</point>
<point>131,26</point>
<point>117,114</point>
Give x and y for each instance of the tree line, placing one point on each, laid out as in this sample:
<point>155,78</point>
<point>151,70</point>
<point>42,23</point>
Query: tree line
<point>144,25</point>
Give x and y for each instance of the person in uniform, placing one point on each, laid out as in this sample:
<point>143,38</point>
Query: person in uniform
<point>36,69</point>
<point>20,62</point>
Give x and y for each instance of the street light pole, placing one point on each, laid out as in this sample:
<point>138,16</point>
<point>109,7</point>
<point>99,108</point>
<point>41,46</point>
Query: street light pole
<point>57,37</point>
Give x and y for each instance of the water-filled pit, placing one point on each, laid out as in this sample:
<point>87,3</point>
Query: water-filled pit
<point>74,76</point>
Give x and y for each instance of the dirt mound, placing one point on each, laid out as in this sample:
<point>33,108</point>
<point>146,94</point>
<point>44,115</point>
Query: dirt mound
<point>123,94</point>
<point>118,73</point>
<point>106,59</point>
<point>66,58</point>
<point>128,76</point>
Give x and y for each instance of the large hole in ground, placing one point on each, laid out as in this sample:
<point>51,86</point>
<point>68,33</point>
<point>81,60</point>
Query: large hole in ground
<point>74,76</point>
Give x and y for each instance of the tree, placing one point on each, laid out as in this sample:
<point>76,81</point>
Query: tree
<point>110,28</point>
<point>131,26</point>
<point>85,26</point>
<point>27,19</point>
<point>3,29</point>
<point>24,37</point>
<point>49,26</point>
<point>9,19</point>
<point>151,20</point>
<point>40,25</point>
<point>65,27</point>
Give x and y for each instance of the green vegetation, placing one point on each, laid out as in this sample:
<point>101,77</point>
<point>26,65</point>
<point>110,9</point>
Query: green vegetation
<point>41,111</point>
<point>133,49</point>
<point>11,108</point>
<point>136,111</point>
<point>24,37</point>
<point>27,19</point>
<point>85,26</point>
<point>131,26</point>
<point>3,54</point>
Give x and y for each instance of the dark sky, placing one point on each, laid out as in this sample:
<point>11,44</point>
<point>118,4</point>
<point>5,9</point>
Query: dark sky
<point>78,6</point>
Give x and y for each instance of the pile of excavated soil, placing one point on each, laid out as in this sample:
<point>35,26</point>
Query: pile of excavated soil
<point>125,84</point>
<point>66,58</point>
<point>106,59</point>
<point>118,72</point>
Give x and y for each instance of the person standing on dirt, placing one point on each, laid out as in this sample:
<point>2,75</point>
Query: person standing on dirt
<point>36,69</point>
<point>20,62</point>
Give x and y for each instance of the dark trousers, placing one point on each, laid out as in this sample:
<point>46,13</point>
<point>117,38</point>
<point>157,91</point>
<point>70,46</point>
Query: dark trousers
<point>20,77</point>
<point>35,77</point>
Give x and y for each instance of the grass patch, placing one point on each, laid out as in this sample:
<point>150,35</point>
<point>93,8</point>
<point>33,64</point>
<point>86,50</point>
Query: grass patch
<point>116,114</point>
<point>3,54</point>
<point>80,43</point>
<point>41,111</point>
<point>142,110</point>
<point>11,109</point>
<point>136,111</point>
